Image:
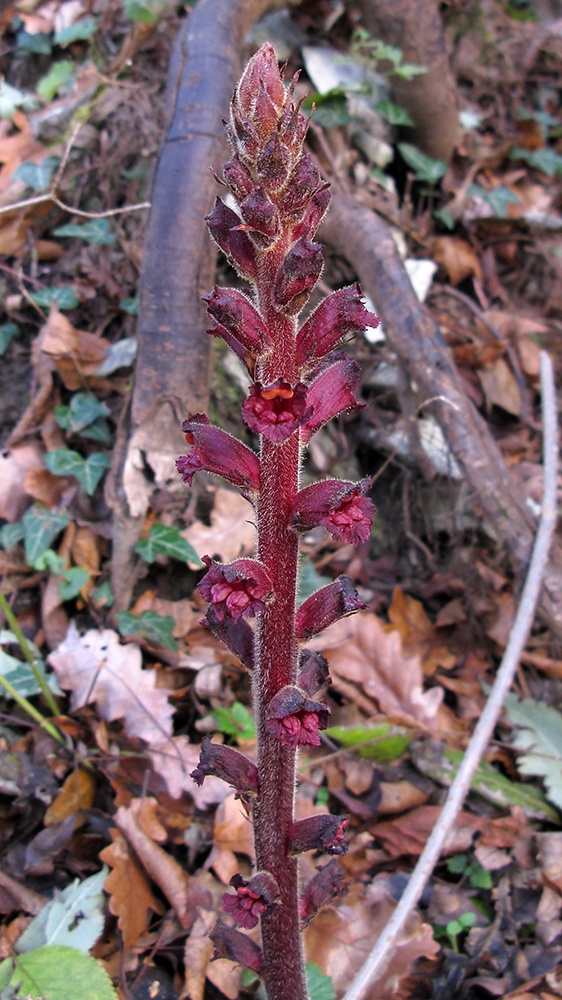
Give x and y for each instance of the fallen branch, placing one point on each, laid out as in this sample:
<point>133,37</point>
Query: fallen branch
<point>380,955</point>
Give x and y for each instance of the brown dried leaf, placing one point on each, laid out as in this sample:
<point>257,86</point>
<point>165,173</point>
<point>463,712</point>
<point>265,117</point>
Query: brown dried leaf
<point>197,955</point>
<point>500,387</point>
<point>76,794</point>
<point>97,667</point>
<point>408,834</point>
<point>44,486</point>
<point>359,651</point>
<point>15,465</point>
<point>174,760</point>
<point>232,532</point>
<point>184,614</point>
<point>232,835</point>
<point>457,258</point>
<point>75,353</point>
<point>340,938</point>
<point>130,895</point>
<point>419,635</point>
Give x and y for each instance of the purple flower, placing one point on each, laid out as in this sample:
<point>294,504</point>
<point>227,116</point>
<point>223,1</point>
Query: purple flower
<point>326,606</point>
<point>339,506</point>
<point>230,943</point>
<point>332,393</point>
<point>217,452</point>
<point>314,672</point>
<point>234,312</point>
<point>236,634</point>
<point>342,314</point>
<point>261,218</point>
<point>252,899</point>
<point>323,889</point>
<point>228,764</point>
<point>276,410</point>
<point>237,588</point>
<point>224,227</point>
<point>294,719</point>
<point>324,833</point>
<point>297,276</point>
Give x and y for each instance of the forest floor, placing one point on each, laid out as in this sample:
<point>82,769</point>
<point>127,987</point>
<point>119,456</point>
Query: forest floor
<point>94,771</point>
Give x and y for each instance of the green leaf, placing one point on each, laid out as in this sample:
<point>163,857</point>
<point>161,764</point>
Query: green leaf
<point>385,742</point>
<point>395,114</point>
<point>11,534</point>
<point>102,596</point>
<point>80,31</point>
<point>38,175</point>
<point>310,581</point>
<point>55,972</point>
<point>41,528</point>
<point>425,167</point>
<point>62,295</point>
<point>407,71</point>
<point>84,413</point>
<point>7,331</point>
<point>235,721</point>
<point>154,627</point>
<point>74,579</point>
<point>94,231</point>
<point>51,561</point>
<point>320,986</point>
<point>130,305</point>
<point>331,108</point>
<point>74,917</point>
<point>20,674</point>
<point>547,160</point>
<point>98,430</point>
<point>121,354</point>
<point>498,199</point>
<point>88,472</point>
<point>11,99</point>
<point>478,876</point>
<point>445,217</point>
<point>539,735</point>
<point>145,11</point>
<point>457,864</point>
<point>95,467</point>
<point>39,43</point>
<point>164,541</point>
<point>59,74</point>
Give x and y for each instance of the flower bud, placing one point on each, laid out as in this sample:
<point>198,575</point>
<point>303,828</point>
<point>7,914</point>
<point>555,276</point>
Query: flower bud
<point>262,72</point>
<point>228,764</point>
<point>236,245</point>
<point>332,393</point>
<point>339,506</point>
<point>252,899</point>
<point>237,634</point>
<point>261,218</point>
<point>303,182</point>
<point>327,605</point>
<point>217,452</point>
<point>323,889</point>
<point>237,588</point>
<point>233,310</point>
<point>340,315</point>
<point>276,410</point>
<point>273,164</point>
<point>297,275</point>
<point>324,833</point>
<point>232,944</point>
<point>314,672</point>
<point>295,719</point>
<point>238,178</point>
<point>314,213</point>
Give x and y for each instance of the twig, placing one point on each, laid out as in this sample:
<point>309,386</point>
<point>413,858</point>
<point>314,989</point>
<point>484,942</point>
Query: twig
<point>51,196</point>
<point>376,962</point>
<point>31,659</point>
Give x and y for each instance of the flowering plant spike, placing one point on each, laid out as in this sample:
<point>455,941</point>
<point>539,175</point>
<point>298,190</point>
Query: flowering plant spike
<point>300,379</point>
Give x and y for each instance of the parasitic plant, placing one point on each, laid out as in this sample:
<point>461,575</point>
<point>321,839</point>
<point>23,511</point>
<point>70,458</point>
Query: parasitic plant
<point>299,381</point>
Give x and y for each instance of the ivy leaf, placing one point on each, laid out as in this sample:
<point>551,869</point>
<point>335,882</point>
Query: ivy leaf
<point>63,295</point>
<point>154,627</point>
<point>120,355</point>
<point>7,331</point>
<point>20,674</point>
<point>498,198</point>
<point>11,534</point>
<point>74,579</point>
<point>425,167</point>
<point>164,541</point>
<point>88,472</point>
<point>55,972</point>
<point>547,160</point>
<point>38,175</point>
<point>130,305</point>
<point>59,74</point>
<point>95,467</point>
<point>320,986</point>
<point>539,734</point>
<point>74,917</point>
<point>395,114</point>
<point>83,409</point>
<point>80,31</point>
<point>235,721</point>
<point>39,43</point>
<point>41,528</point>
<point>94,231</point>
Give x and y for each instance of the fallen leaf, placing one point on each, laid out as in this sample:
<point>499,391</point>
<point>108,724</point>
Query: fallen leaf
<point>174,760</point>
<point>232,531</point>
<point>419,635</point>
<point>457,258</point>
<point>197,955</point>
<point>130,894</point>
<point>15,465</point>
<point>184,614</point>
<point>340,938</point>
<point>44,486</point>
<point>96,667</point>
<point>408,834</point>
<point>500,387</point>
<point>75,354</point>
<point>232,835</point>
<point>76,794</point>
<point>364,657</point>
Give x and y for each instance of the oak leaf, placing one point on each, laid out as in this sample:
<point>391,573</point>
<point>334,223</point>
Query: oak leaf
<point>367,660</point>
<point>174,760</point>
<point>418,633</point>
<point>130,895</point>
<point>96,667</point>
<point>232,532</point>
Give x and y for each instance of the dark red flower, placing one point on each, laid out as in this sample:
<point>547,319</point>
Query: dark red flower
<point>228,764</point>
<point>237,634</point>
<point>326,606</point>
<point>262,72</point>
<point>238,178</point>
<point>303,183</point>
<point>324,833</point>
<point>295,719</point>
<point>332,393</point>
<point>297,276</point>
<point>252,899</point>
<point>339,506</point>
<point>313,215</point>
<point>238,947</point>
<point>217,452</point>
<point>236,245</point>
<point>340,315</point>
<point>261,217</point>
<point>273,163</point>
<point>275,410</point>
<point>323,889</point>
<point>314,672</point>
<point>234,312</point>
<point>238,588</point>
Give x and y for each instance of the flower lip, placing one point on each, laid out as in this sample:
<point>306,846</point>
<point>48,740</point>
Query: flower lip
<point>340,507</point>
<point>294,719</point>
<point>217,452</point>
<point>253,898</point>
<point>226,763</point>
<point>238,588</point>
<point>276,410</point>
